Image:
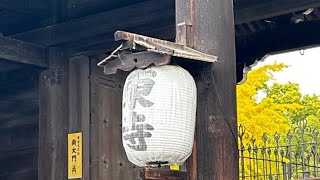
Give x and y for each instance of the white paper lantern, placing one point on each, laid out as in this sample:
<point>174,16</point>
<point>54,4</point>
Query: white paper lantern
<point>158,118</point>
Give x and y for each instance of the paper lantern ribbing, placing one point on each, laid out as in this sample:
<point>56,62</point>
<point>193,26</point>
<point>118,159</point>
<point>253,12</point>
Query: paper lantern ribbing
<point>158,116</point>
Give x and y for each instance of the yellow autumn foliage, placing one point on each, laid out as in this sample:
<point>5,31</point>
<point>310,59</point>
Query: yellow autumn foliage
<point>261,115</point>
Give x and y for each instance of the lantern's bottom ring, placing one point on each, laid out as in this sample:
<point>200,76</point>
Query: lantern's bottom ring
<point>157,163</point>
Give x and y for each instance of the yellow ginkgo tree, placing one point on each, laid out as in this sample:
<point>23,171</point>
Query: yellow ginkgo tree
<point>261,112</point>
<point>266,107</point>
<point>258,112</point>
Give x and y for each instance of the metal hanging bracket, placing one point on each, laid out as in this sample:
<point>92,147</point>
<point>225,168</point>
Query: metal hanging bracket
<point>142,51</point>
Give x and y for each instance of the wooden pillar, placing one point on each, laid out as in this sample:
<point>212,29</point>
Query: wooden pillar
<point>79,106</point>
<point>64,108</point>
<point>208,26</point>
<point>54,115</point>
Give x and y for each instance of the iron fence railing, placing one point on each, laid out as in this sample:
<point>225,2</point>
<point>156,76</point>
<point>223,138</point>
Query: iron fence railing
<point>294,155</point>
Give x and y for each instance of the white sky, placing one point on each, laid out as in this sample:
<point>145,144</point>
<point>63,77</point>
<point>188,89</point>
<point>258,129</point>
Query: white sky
<point>303,69</point>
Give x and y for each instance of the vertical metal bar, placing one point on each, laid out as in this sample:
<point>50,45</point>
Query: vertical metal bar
<point>284,171</point>
<point>209,28</point>
<point>253,157</point>
<point>242,134</point>
<point>270,164</point>
<point>250,166</point>
<point>318,160</point>
<point>264,139</point>
<point>302,125</point>
<point>296,162</point>
<point>242,162</point>
<point>264,168</point>
<point>283,164</point>
<point>302,153</point>
<point>308,162</point>
<point>314,156</point>
<point>276,153</point>
<point>255,151</point>
<point>314,151</point>
<point>314,164</point>
<point>289,155</point>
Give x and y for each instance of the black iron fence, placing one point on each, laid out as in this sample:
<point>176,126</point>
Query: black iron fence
<point>294,155</point>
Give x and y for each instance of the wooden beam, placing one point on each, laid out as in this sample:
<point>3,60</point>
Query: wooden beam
<point>13,23</point>
<point>6,66</point>
<point>19,137</point>
<point>29,95</point>
<point>267,9</point>
<point>59,11</point>
<point>21,74</point>
<point>130,17</point>
<point>24,143</point>
<point>124,18</point>
<point>293,37</point>
<point>80,8</point>
<point>22,52</point>
<point>103,43</point>
<point>19,120</point>
<point>18,152</point>
<point>15,92</point>
<point>36,7</point>
<point>22,107</point>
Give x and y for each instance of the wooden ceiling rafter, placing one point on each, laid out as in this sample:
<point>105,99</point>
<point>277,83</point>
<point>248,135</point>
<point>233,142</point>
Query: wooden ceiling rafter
<point>102,23</point>
<point>267,9</point>
<point>23,52</point>
<point>39,7</point>
<point>107,23</point>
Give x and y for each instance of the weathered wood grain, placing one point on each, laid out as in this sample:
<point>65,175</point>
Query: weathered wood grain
<point>216,131</point>
<point>37,7</point>
<point>19,119</point>
<point>130,17</point>
<point>79,104</point>
<point>54,118</point>
<point>23,52</point>
<point>109,160</point>
<point>107,22</point>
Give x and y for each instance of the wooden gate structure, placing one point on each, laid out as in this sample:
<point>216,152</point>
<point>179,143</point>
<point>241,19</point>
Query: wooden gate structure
<point>50,84</point>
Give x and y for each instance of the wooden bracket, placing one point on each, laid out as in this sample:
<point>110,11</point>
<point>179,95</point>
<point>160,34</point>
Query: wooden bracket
<point>149,50</point>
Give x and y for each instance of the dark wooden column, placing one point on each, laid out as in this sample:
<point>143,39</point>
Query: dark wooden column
<point>210,29</point>
<point>54,115</point>
<point>79,106</point>
<point>64,108</point>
